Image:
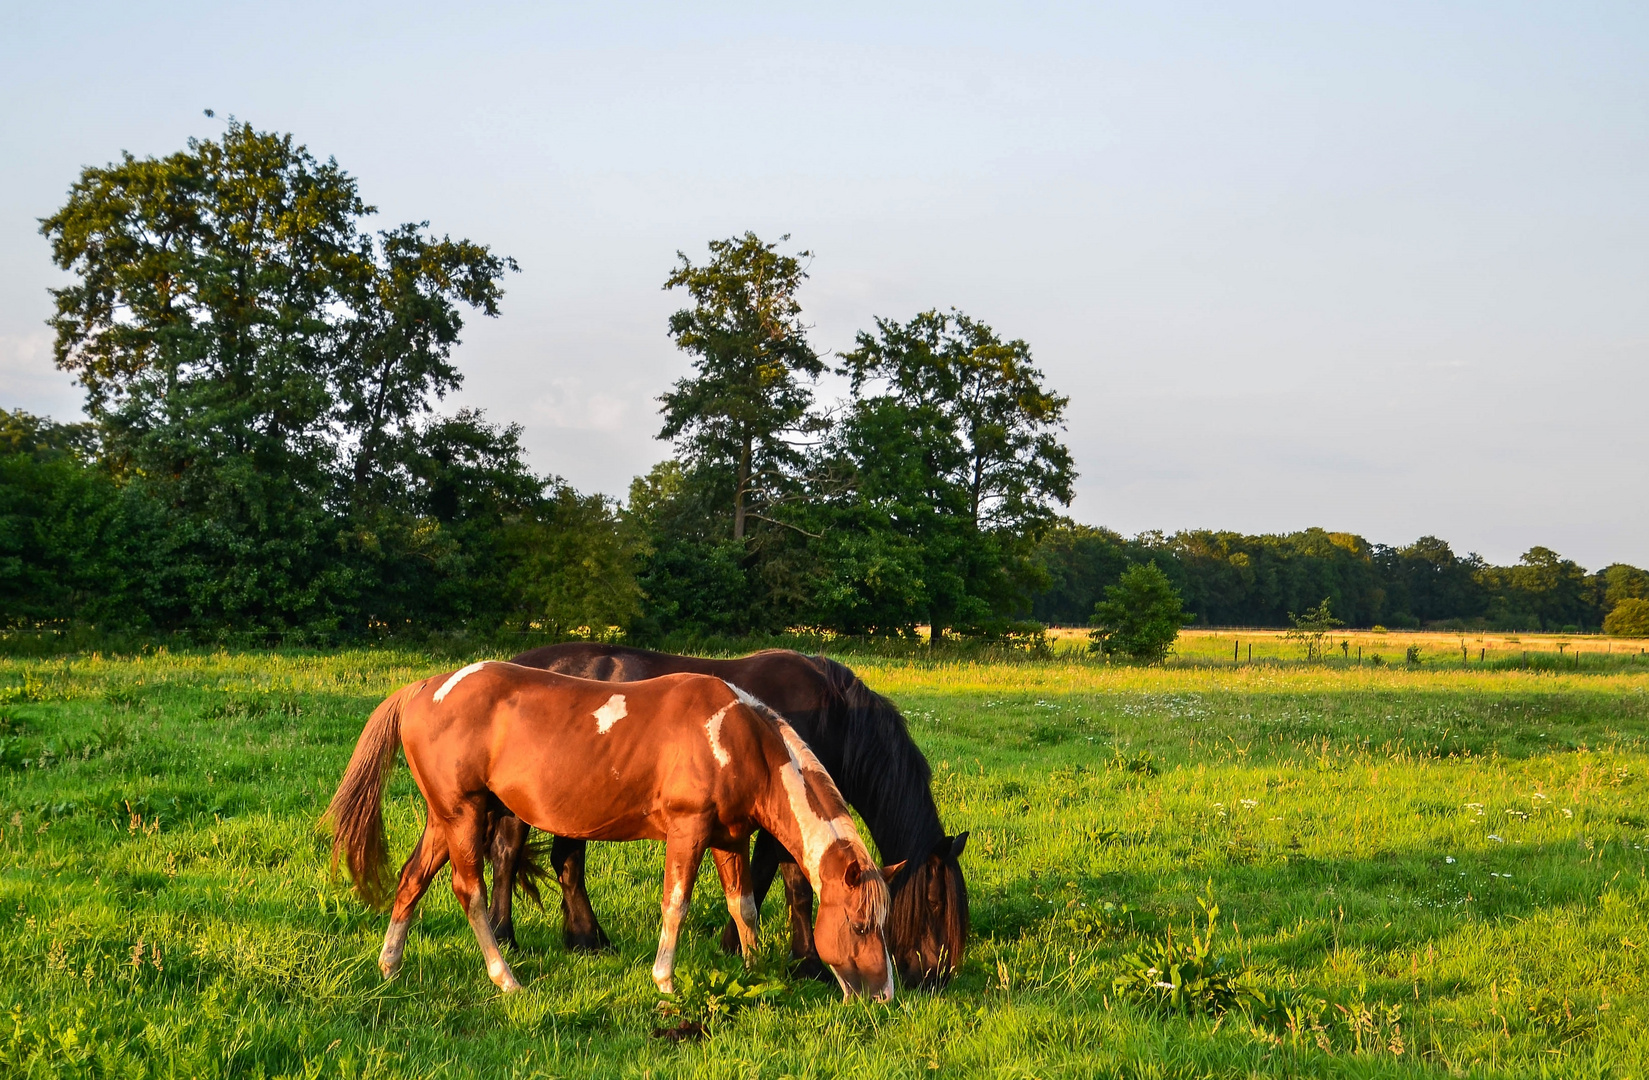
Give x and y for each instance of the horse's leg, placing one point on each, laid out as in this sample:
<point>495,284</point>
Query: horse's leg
<point>508,844</point>
<point>798,895</point>
<point>467,842</point>
<point>579,928</point>
<point>763,865</point>
<point>734,869</point>
<point>683,849</point>
<point>427,858</point>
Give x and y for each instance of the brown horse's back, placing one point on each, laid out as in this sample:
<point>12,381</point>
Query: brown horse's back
<point>786,681</point>
<point>580,758</point>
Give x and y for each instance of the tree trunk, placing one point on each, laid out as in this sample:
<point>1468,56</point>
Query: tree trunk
<point>738,493</point>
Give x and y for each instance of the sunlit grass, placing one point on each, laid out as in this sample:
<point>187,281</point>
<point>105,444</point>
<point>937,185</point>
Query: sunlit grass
<point>1461,844</point>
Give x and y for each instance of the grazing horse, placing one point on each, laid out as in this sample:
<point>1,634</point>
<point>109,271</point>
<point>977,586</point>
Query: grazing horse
<point>861,739</point>
<point>686,759</point>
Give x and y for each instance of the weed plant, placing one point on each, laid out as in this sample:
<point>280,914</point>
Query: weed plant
<point>1420,871</point>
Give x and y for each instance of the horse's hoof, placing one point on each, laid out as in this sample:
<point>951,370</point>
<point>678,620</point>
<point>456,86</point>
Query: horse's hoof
<point>586,942</point>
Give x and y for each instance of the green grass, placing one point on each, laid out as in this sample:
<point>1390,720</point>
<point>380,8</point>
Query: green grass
<point>1450,861</point>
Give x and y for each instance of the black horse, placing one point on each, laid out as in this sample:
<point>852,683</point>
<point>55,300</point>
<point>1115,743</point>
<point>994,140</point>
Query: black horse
<point>860,738</point>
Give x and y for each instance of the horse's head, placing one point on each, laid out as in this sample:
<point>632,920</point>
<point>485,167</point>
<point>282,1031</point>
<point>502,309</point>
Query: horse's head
<point>929,920</point>
<point>850,932</point>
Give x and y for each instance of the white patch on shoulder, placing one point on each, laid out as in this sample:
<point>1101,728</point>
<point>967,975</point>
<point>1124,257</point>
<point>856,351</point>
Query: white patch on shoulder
<point>459,676</point>
<point>610,713</point>
<point>712,727</point>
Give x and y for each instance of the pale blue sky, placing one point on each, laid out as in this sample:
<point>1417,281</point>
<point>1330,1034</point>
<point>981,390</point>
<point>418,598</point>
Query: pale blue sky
<point>1382,268</point>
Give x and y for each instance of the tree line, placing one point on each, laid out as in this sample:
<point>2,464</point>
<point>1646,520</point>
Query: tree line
<point>266,453</point>
<point>1230,579</point>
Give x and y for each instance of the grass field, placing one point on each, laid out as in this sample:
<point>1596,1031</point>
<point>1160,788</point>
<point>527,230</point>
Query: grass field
<point>1438,869</point>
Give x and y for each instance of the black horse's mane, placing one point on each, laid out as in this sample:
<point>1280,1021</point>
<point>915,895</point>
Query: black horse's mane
<point>883,769</point>
<point>890,782</point>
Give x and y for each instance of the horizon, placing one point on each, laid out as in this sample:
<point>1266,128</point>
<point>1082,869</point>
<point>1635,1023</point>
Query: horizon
<point>1378,272</point>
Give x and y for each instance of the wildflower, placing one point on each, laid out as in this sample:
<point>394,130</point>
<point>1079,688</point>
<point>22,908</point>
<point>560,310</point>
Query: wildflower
<point>1568,813</point>
<point>1249,804</point>
<point>1497,839</point>
<point>1448,858</point>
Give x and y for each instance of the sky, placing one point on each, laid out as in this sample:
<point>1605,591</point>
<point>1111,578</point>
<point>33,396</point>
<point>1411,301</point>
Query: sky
<point>1382,268</point>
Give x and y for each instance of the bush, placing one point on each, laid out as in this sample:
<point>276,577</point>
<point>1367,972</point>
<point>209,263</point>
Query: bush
<point>1630,618</point>
<point>1140,616</point>
<point>1185,976</point>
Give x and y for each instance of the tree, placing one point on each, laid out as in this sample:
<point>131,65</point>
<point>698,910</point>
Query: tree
<point>1140,616</point>
<point>990,425</point>
<point>1312,629</point>
<point>249,354</point>
<point>1630,618</point>
<point>735,416</point>
<point>1622,581</point>
<point>951,440</point>
<point>72,549</point>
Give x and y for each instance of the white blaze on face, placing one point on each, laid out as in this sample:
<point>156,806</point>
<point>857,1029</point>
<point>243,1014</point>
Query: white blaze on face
<point>610,713</point>
<point>712,727</point>
<point>459,676</point>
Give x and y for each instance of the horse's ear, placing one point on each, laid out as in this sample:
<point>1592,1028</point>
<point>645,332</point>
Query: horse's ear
<point>852,875</point>
<point>889,871</point>
<point>958,844</point>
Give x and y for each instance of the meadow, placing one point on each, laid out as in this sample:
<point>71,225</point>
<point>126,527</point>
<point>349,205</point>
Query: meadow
<point>1427,869</point>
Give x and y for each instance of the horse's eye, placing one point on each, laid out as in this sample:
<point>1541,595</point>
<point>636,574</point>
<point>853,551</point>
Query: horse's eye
<point>861,928</point>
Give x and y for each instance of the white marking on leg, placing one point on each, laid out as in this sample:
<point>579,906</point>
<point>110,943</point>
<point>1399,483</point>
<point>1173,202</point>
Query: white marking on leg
<point>395,940</point>
<point>664,963</point>
<point>747,908</point>
<point>497,969</point>
<point>459,676</point>
<point>712,727</point>
<point>610,713</point>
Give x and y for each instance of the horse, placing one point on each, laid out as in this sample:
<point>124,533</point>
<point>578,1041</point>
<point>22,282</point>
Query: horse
<point>686,759</point>
<point>862,740</point>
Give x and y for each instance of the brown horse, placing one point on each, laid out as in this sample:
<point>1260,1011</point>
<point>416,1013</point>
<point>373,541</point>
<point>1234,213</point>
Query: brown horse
<point>863,742</point>
<point>685,759</point>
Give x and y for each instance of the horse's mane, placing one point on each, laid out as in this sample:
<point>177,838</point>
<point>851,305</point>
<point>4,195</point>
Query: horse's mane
<point>882,767</point>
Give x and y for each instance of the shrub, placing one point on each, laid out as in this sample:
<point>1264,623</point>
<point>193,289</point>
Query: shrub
<point>1184,976</point>
<point>1312,628</point>
<point>705,997</point>
<point>1140,616</point>
<point>1630,618</point>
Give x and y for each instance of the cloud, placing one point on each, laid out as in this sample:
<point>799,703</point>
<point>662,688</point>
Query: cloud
<point>567,404</point>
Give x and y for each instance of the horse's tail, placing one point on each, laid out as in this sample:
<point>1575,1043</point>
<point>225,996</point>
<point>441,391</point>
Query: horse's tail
<point>357,810</point>
<point>531,873</point>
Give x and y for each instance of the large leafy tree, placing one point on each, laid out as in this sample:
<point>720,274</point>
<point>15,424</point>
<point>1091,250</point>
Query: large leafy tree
<point>993,427</point>
<point>952,440</point>
<point>736,418</point>
<point>253,358</point>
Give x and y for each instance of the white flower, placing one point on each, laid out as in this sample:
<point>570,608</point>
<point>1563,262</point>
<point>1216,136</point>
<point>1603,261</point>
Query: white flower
<point>1249,804</point>
<point>1568,813</point>
<point>1497,839</point>
<point>1448,858</point>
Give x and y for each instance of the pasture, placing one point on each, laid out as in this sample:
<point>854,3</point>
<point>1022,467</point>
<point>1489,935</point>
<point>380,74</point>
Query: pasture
<point>1428,870</point>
